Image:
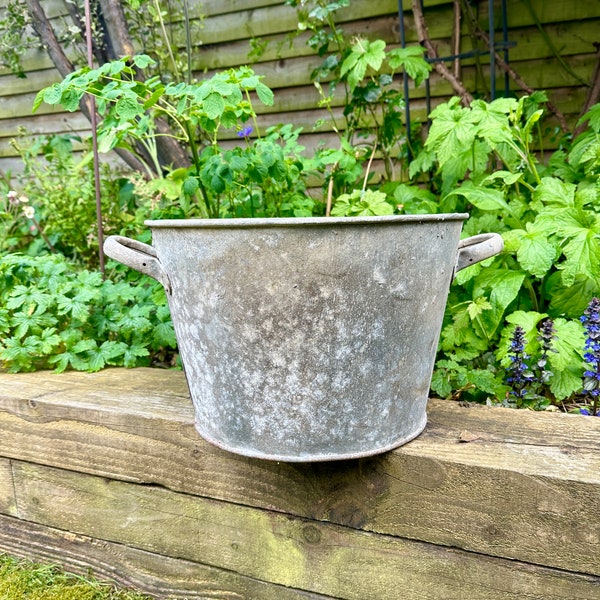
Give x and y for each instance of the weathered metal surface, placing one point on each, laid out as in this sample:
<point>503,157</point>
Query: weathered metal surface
<point>307,339</point>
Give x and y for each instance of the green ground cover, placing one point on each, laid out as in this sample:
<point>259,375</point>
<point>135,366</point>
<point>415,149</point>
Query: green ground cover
<point>25,580</point>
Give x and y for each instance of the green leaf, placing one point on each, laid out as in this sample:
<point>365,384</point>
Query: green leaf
<point>536,254</point>
<point>70,99</point>
<point>477,307</point>
<point>482,197</point>
<point>452,131</point>
<point>18,355</point>
<point>573,299</point>
<point>23,295</point>
<point>49,340</point>
<point>52,94</point>
<point>507,177</point>
<point>375,54</point>
<point>566,382</point>
<point>528,320</point>
<point>554,192</point>
<point>364,54</point>
<point>412,60</point>
<point>31,320</point>
<point>143,61</point>
<point>190,186</point>
<point>164,335</point>
<point>98,357</point>
<point>487,382</point>
<point>568,344</point>
<point>265,94</point>
<point>107,140</point>
<point>128,107</point>
<point>132,355</point>
<point>582,250</point>
<point>214,105</point>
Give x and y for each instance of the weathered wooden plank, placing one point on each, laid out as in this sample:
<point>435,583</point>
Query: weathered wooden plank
<point>20,106</point>
<point>527,476</point>
<point>575,38</point>
<point>7,491</point>
<point>278,18</point>
<point>281,46</point>
<point>548,12</point>
<point>35,81</point>
<point>342,562</point>
<point>52,123</point>
<point>157,575</point>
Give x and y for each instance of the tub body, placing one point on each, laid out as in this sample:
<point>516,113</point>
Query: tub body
<point>307,339</point>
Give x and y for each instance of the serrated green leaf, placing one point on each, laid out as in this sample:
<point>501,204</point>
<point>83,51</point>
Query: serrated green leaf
<point>127,107</point>
<point>569,343</point>
<point>412,60</point>
<point>164,335</point>
<point>132,355</point>
<point>571,300</point>
<point>214,105</point>
<point>554,192</point>
<point>440,383</point>
<point>528,320</point>
<point>265,94</point>
<point>536,254</point>
<point>566,382</point>
<point>52,94</point>
<point>451,132</point>
<point>477,307</point>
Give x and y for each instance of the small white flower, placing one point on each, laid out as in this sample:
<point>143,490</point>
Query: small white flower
<point>13,197</point>
<point>23,199</point>
<point>29,212</point>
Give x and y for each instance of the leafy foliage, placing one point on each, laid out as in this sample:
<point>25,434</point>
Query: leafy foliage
<point>364,73</point>
<point>362,203</point>
<point>56,210</point>
<point>548,217</point>
<point>55,316</point>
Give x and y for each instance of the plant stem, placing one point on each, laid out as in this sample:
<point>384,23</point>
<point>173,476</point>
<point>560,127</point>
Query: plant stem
<point>167,41</point>
<point>368,170</point>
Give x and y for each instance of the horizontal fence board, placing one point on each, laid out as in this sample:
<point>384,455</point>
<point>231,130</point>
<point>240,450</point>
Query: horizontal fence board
<point>342,562</point>
<point>155,574</point>
<point>137,426</point>
<point>575,38</point>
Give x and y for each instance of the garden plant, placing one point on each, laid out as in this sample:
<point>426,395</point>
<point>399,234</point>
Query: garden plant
<point>486,159</point>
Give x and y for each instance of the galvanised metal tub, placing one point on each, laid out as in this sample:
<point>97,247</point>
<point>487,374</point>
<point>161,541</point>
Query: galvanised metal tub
<point>307,339</point>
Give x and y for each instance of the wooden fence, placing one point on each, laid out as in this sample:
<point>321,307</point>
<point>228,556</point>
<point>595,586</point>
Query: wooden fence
<point>555,48</point>
<point>106,471</point>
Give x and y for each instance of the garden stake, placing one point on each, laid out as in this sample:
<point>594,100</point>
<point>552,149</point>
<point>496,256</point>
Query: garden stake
<point>92,103</point>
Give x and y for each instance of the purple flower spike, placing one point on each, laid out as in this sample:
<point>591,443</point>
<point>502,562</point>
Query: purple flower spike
<point>519,375</point>
<point>591,376</point>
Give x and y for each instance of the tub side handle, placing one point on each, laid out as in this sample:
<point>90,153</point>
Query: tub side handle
<point>476,248</point>
<point>138,256</point>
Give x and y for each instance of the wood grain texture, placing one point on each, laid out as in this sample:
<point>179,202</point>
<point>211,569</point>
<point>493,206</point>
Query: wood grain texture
<point>521,489</point>
<point>155,574</point>
<point>8,504</point>
<point>337,561</point>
